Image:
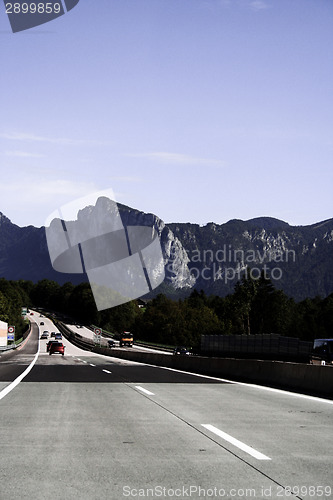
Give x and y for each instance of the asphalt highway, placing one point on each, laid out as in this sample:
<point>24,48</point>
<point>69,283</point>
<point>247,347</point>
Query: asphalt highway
<point>86,426</point>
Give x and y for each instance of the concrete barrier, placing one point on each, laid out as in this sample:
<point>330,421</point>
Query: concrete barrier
<point>305,378</point>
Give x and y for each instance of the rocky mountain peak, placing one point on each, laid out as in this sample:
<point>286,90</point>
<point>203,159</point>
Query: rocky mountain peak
<point>210,257</point>
<point>4,220</point>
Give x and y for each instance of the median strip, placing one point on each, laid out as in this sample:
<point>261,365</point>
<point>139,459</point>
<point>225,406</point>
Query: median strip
<point>242,446</point>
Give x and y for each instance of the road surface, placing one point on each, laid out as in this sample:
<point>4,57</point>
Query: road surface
<point>89,426</point>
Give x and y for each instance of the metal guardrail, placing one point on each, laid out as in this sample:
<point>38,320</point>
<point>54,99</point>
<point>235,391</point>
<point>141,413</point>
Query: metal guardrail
<point>75,338</point>
<point>155,347</point>
<point>138,343</point>
<point>4,348</point>
<point>80,341</point>
<point>88,344</point>
<point>104,332</point>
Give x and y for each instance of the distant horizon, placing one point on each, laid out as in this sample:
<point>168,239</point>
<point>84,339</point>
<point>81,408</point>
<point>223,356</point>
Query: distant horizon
<point>191,222</point>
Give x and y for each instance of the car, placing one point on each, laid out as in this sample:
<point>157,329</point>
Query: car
<point>322,351</point>
<point>182,351</point>
<point>57,347</point>
<point>49,343</point>
<point>41,323</point>
<point>58,336</point>
<point>111,343</point>
<point>45,335</point>
<point>31,314</point>
<point>53,334</point>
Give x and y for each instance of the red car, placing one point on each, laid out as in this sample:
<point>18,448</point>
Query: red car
<point>48,345</point>
<point>57,347</point>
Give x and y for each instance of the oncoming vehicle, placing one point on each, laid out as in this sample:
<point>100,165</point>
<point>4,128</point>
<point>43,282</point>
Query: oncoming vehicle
<point>182,351</point>
<point>57,347</point>
<point>322,351</point>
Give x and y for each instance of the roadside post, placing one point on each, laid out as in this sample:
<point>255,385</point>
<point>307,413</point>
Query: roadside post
<point>97,336</point>
<point>11,334</point>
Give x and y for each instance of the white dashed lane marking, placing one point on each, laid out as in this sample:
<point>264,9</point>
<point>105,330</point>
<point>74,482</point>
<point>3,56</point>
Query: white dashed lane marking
<point>242,446</point>
<point>142,389</point>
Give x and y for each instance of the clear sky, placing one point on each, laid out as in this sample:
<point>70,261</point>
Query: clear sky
<point>195,110</point>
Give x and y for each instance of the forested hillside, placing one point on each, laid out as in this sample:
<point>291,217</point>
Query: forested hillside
<point>254,307</point>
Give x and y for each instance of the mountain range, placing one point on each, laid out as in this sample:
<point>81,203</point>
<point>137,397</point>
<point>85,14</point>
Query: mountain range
<point>298,259</point>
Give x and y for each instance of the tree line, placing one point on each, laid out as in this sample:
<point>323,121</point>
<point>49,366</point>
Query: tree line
<point>254,307</point>
<point>12,299</point>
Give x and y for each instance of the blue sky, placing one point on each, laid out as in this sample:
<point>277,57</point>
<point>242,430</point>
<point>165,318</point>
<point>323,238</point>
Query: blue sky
<point>195,110</point>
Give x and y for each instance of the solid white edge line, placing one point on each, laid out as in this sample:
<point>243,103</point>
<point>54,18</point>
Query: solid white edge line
<point>254,386</point>
<point>15,382</point>
<point>144,390</point>
<point>242,446</point>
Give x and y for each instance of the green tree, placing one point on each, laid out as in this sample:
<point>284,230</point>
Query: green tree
<point>161,322</point>
<point>199,321</point>
<point>45,294</point>
<point>12,301</point>
<point>325,319</point>
<point>223,307</point>
<point>82,305</point>
<point>269,310</point>
<point>4,308</point>
<point>305,323</point>
<point>120,318</point>
<point>244,294</point>
<point>62,297</point>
